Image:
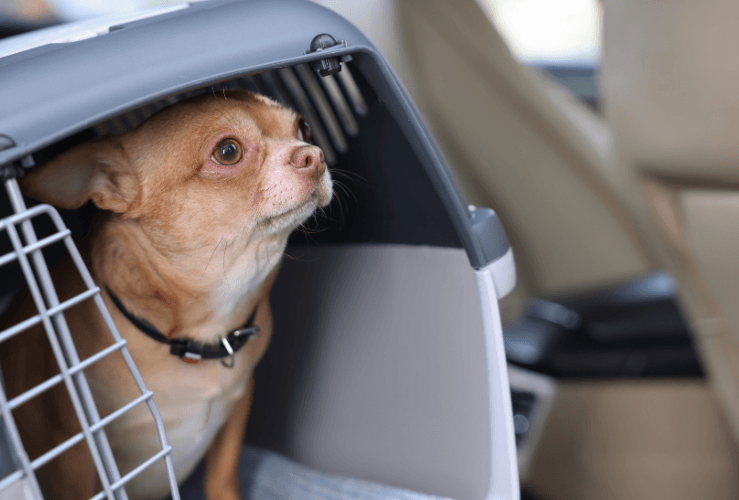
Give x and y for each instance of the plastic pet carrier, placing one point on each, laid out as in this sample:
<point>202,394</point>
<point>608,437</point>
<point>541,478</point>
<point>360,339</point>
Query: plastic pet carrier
<point>386,361</point>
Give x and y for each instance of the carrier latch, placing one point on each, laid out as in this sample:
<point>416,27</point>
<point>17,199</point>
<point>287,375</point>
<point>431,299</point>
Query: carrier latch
<point>330,65</point>
<point>14,169</point>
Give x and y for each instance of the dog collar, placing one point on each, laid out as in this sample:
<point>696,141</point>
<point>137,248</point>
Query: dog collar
<point>189,350</point>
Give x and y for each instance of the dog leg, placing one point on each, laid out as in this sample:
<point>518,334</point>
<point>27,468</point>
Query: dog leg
<point>221,472</point>
<point>75,477</point>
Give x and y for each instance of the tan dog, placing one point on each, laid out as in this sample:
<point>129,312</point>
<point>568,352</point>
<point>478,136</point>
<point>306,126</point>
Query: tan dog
<point>199,202</point>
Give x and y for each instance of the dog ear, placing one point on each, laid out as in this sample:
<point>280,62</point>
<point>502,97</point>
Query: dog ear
<point>97,170</point>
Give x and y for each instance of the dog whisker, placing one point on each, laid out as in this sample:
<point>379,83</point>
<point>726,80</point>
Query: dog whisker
<point>211,256</point>
<point>300,259</point>
<point>340,203</point>
<point>345,189</point>
<point>225,276</point>
<point>348,174</point>
<point>330,219</point>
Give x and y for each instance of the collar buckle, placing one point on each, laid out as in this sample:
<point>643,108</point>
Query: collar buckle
<point>252,332</point>
<point>230,352</point>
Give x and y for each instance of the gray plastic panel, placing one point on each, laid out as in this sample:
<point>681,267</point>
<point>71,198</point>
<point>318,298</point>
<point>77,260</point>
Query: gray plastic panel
<point>379,371</point>
<point>62,89</point>
<point>489,230</point>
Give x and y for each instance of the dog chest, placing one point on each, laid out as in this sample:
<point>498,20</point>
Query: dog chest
<point>193,411</point>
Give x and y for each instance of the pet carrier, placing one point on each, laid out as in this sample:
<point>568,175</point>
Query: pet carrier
<point>387,358</point>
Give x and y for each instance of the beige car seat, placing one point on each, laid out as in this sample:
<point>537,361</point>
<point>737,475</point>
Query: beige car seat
<point>547,164</point>
<point>670,85</point>
<point>532,152</point>
<point>580,215</point>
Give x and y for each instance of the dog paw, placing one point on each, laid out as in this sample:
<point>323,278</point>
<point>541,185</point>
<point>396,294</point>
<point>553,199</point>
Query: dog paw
<point>225,496</point>
<point>221,494</point>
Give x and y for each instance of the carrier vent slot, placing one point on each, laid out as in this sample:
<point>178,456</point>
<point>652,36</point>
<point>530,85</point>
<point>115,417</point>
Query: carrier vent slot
<point>342,108</point>
<point>351,89</point>
<point>249,83</point>
<point>305,108</point>
<point>277,90</point>
<point>329,106</point>
<point>310,83</point>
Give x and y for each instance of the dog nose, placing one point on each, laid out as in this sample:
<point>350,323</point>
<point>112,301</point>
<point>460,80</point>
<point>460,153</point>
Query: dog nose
<point>310,158</point>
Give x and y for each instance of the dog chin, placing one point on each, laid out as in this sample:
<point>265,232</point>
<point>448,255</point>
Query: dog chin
<point>288,220</point>
<point>292,218</point>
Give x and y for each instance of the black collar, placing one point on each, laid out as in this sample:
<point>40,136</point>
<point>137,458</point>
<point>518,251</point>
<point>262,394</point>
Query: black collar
<point>191,351</point>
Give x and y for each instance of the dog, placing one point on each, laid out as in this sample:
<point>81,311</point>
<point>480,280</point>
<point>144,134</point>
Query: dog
<point>196,205</point>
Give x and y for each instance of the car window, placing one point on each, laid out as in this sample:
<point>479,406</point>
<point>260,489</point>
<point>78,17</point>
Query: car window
<point>559,37</point>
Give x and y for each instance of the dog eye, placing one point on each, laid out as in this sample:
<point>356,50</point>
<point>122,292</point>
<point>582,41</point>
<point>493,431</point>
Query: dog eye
<point>228,152</point>
<point>304,130</point>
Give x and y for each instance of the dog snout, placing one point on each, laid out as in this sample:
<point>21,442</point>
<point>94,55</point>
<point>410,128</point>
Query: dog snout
<point>309,158</point>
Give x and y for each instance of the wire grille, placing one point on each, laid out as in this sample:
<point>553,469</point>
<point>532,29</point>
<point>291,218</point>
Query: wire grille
<point>51,316</point>
<point>328,104</point>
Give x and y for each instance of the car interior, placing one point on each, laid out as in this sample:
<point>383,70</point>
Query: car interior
<point>617,188</point>
<point>619,206</point>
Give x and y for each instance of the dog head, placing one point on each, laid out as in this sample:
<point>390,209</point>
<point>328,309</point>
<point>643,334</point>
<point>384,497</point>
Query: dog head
<point>233,165</point>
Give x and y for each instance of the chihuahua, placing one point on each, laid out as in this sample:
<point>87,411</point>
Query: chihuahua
<point>197,205</point>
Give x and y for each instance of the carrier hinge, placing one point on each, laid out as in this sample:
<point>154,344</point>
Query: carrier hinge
<point>329,65</point>
<point>14,169</point>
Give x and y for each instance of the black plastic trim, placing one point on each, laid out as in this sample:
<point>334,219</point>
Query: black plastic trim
<point>634,330</point>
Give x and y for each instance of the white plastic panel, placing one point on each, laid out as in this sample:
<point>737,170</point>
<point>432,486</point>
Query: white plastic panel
<point>392,370</point>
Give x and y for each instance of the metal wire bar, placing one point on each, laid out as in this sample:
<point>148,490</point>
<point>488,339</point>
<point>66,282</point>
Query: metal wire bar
<point>29,213</point>
<point>46,241</point>
<point>8,257</point>
<point>32,393</point>
<point>58,354</point>
<point>87,278</point>
<point>15,440</point>
<point>58,450</point>
<point>34,320</point>
<point>23,325</point>
<point>98,356</point>
<point>10,479</point>
<point>47,384</point>
<point>123,409</point>
<point>11,256</point>
<point>72,302</point>
<point>65,337</point>
<point>121,482</point>
<point>163,442</point>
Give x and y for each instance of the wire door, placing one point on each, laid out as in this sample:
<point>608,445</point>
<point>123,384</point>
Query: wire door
<point>23,483</point>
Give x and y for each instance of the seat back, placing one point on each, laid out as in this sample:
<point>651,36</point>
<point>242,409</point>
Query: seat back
<point>669,85</point>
